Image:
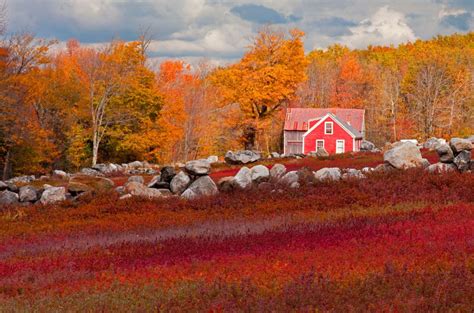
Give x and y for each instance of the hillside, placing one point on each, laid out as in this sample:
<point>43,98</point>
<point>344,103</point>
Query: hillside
<point>399,241</point>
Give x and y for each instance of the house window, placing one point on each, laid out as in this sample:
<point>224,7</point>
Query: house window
<point>319,144</point>
<point>340,146</point>
<point>328,128</point>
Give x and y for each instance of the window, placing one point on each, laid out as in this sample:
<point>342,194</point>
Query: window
<point>340,146</point>
<point>319,144</point>
<point>328,128</point>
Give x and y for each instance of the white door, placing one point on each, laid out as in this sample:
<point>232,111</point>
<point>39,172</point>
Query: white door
<point>340,146</point>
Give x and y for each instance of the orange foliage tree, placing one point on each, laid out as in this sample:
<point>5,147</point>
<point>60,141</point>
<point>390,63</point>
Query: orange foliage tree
<point>265,80</point>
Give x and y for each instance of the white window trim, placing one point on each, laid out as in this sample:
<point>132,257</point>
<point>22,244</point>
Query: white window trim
<point>332,128</point>
<point>343,145</point>
<point>324,147</point>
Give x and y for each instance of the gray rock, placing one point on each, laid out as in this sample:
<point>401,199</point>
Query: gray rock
<point>137,179</point>
<point>135,164</point>
<point>106,168</point>
<point>156,179</point>
<point>321,153</point>
<point>3,186</point>
<point>12,187</point>
<point>441,168</point>
<point>471,139</point>
<point>425,163</point>
<point>213,159</point>
<point>384,168</point>
<point>28,194</point>
<point>445,153</point>
<point>289,178</point>
<point>459,144</point>
<point>328,174</point>
<point>8,197</point>
<point>242,157</point>
<point>198,167</point>
<point>275,155</point>
<point>167,174</point>
<point>120,190</point>
<point>76,188</point>
<point>188,194</point>
<point>259,173</point>
<point>165,193</point>
<point>352,173</point>
<point>367,146</point>
<point>60,174</point>
<point>295,185</point>
<point>463,161</point>
<point>22,179</point>
<point>91,172</point>
<point>53,195</point>
<point>139,190</point>
<point>433,143</point>
<point>243,179</point>
<point>179,183</point>
<point>203,186</point>
<point>277,171</point>
<point>367,170</point>
<point>226,184</point>
<point>403,155</point>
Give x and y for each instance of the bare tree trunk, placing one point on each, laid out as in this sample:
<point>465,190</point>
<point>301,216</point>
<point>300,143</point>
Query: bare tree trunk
<point>6,165</point>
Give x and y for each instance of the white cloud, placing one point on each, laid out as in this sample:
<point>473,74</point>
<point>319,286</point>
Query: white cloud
<point>444,12</point>
<point>385,27</point>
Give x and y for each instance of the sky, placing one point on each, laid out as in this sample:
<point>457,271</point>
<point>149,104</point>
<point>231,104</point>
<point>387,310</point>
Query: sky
<point>220,30</point>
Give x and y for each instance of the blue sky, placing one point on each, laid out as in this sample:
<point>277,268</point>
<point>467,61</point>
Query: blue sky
<point>219,30</point>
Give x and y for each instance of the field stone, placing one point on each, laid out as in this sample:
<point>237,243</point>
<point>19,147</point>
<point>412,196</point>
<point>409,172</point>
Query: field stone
<point>367,145</point>
<point>156,179</point>
<point>295,185</point>
<point>188,194</point>
<point>53,195</point>
<point>165,193</point>
<point>277,171</point>
<point>445,153</point>
<point>242,157</point>
<point>289,178</point>
<point>441,168</point>
<point>425,163</point>
<point>213,159</point>
<point>91,172</point>
<point>322,153</point>
<point>403,155</point>
<point>167,174</point>
<point>328,173</point>
<point>3,186</point>
<point>260,173</point>
<point>28,194</point>
<point>179,183</point>
<point>137,179</point>
<point>226,184</point>
<point>433,143</point>
<point>459,144</point>
<point>203,186</point>
<point>243,179</point>
<point>139,190</point>
<point>76,188</point>
<point>367,170</point>
<point>198,167</point>
<point>60,174</point>
<point>463,161</point>
<point>352,173</point>
<point>8,197</point>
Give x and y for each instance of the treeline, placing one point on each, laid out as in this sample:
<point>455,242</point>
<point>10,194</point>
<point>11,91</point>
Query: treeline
<point>73,106</point>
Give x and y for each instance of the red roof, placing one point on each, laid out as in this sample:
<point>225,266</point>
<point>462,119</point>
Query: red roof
<point>297,118</point>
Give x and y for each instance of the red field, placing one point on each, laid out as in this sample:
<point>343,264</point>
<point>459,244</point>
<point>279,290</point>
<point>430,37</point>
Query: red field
<point>398,242</point>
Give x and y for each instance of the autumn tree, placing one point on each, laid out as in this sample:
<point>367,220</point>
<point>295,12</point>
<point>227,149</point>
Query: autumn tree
<point>105,75</point>
<point>265,79</point>
<point>24,142</point>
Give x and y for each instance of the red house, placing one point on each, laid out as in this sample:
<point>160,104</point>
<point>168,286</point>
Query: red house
<point>336,130</point>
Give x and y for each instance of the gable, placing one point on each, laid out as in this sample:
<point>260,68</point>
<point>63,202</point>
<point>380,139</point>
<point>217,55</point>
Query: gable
<point>320,123</point>
<point>301,119</point>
